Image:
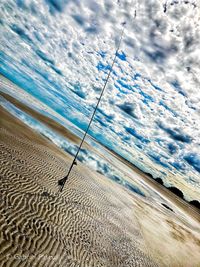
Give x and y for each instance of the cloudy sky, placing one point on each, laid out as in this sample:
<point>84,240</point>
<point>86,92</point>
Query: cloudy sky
<point>61,51</point>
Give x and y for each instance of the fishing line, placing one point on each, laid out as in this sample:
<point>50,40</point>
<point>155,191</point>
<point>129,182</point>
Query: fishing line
<point>62,181</point>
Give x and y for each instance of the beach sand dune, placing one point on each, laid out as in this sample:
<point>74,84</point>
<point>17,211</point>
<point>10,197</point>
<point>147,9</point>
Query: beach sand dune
<point>88,224</point>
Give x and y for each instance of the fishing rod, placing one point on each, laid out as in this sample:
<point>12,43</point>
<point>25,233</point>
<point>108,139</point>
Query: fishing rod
<point>62,181</point>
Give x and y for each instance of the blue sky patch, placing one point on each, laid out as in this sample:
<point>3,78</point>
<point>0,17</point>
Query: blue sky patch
<point>133,132</point>
<point>194,160</point>
<point>121,56</point>
<point>100,66</point>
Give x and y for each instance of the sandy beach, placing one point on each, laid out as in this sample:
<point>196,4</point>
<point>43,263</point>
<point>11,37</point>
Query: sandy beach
<point>94,222</point>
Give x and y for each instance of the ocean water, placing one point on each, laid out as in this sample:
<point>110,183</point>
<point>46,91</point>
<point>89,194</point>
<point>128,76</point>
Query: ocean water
<point>58,53</point>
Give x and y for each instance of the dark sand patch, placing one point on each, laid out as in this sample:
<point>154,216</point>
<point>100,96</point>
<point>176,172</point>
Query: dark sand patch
<point>167,207</point>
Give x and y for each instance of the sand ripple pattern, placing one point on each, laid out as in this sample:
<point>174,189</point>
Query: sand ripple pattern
<point>82,227</point>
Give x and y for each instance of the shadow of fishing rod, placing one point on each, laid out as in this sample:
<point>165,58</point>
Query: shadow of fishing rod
<point>61,182</point>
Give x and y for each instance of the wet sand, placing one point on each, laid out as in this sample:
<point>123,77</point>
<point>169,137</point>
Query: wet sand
<point>94,222</point>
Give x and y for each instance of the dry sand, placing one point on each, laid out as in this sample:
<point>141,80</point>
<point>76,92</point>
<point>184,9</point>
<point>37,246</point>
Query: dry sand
<point>94,222</point>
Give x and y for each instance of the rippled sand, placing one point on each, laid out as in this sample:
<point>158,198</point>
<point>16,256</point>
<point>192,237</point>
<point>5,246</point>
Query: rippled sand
<point>86,225</point>
<point>93,222</point>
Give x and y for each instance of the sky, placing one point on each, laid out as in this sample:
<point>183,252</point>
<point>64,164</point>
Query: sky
<point>60,52</point>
